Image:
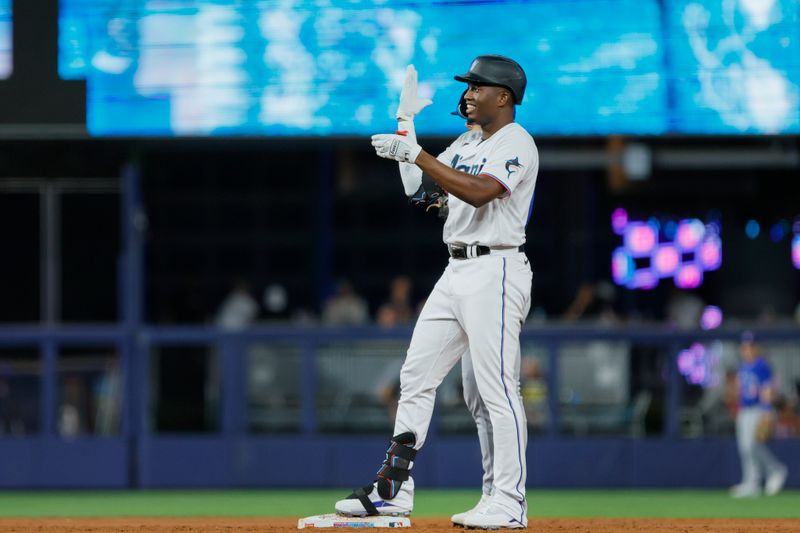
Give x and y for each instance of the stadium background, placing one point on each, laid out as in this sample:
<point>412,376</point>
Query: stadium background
<point>156,155</point>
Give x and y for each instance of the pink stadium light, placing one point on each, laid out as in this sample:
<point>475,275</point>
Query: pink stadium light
<point>698,375</point>
<point>711,253</point>
<point>711,317</point>
<point>619,219</point>
<point>640,239</point>
<point>796,251</point>
<point>685,361</point>
<point>690,233</point>
<point>688,277</point>
<point>691,358</point>
<point>666,260</point>
<point>622,266</point>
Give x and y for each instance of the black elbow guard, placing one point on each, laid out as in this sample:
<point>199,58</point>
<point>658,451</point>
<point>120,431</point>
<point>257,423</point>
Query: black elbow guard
<point>430,195</point>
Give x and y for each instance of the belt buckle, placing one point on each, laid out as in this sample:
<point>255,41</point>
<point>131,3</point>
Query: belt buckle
<point>458,252</point>
<point>468,251</point>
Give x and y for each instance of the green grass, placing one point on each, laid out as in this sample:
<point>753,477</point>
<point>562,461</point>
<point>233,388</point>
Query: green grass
<point>542,503</point>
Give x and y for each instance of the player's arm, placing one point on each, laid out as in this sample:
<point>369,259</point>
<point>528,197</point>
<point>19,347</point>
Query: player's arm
<point>767,394</point>
<point>410,106</point>
<point>766,390</point>
<point>498,177</point>
<point>477,191</point>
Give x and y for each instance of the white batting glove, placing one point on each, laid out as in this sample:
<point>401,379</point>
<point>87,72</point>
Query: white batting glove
<point>397,147</point>
<point>410,175</point>
<point>410,103</point>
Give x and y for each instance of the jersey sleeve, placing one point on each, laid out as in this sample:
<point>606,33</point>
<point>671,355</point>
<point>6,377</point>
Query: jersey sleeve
<point>510,160</point>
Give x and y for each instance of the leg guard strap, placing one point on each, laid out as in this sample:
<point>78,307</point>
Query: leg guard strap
<point>361,495</point>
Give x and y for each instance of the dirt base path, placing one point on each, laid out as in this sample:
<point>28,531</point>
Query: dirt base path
<point>440,525</point>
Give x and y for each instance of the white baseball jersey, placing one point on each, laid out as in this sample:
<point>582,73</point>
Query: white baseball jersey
<point>510,157</point>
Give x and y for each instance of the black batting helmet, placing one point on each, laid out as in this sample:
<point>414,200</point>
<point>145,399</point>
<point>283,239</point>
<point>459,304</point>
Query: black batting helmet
<point>497,70</point>
<point>461,109</point>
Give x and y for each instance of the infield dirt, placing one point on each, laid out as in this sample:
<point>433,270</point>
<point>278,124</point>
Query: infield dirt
<point>437,525</point>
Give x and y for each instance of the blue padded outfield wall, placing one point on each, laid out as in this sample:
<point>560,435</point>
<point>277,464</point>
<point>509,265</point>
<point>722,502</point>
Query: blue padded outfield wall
<point>307,68</point>
<point>234,456</point>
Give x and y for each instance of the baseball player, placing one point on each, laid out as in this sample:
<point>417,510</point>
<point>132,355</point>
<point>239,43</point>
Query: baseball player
<point>481,299</point>
<point>755,386</point>
<point>470,387</point>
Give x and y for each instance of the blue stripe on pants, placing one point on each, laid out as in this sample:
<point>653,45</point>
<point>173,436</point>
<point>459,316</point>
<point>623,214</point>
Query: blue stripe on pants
<point>505,389</point>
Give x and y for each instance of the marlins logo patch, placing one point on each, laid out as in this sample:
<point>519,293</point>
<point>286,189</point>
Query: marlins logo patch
<point>512,165</point>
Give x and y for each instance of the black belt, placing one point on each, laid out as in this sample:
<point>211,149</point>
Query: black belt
<point>460,252</point>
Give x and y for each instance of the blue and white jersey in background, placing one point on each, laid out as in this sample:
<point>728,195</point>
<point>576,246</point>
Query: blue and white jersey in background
<point>753,377</point>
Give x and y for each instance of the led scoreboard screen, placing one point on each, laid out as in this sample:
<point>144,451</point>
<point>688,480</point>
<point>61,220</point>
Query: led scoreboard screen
<point>336,67</point>
<point>5,39</point>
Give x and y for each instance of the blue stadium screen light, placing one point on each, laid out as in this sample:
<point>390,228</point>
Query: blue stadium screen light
<point>752,229</point>
<point>5,39</point>
<point>796,251</point>
<point>647,255</point>
<point>735,66</point>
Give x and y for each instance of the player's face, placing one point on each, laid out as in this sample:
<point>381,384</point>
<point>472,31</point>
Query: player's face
<point>481,103</point>
<point>748,351</point>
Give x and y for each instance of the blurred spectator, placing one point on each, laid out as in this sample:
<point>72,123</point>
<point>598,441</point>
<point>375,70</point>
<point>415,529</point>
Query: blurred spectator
<point>753,423</point>
<point>345,308</point>
<point>11,422</point>
<point>387,317</point>
<point>395,312</point>
<point>684,309</point>
<point>388,388</point>
<point>303,317</point>
<point>398,307</point>
<point>718,405</point>
<point>594,301</point>
<point>533,387</point>
<point>797,313</point>
<point>239,309</point>
<point>787,421</point>
<point>276,302</point>
<point>732,392</point>
<point>768,315</point>
<point>71,413</point>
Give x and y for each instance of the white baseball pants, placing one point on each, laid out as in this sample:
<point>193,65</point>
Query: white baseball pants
<point>483,422</point>
<point>482,419</point>
<point>754,455</point>
<point>478,304</point>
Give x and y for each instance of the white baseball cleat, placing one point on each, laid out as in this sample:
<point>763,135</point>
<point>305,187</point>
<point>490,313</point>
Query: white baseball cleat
<point>400,505</point>
<point>458,519</point>
<point>493,517</point>
<point>775,482</point>
<point>745,490</point>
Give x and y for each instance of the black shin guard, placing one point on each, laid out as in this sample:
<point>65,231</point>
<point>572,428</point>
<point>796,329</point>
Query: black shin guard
<point>396,466</point>
<point>394,470</point>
